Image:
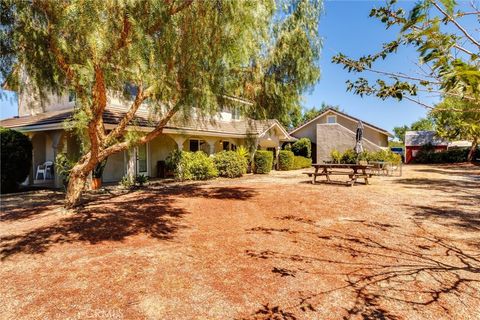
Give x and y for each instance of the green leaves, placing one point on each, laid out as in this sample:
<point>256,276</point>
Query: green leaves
<point>447,55</point>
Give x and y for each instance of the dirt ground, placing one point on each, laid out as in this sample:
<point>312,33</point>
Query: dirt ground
<point>259,247</point>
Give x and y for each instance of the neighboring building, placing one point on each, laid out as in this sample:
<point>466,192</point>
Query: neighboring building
<point>416,140</point>
<point>43,123</point>
<point>333,129</point>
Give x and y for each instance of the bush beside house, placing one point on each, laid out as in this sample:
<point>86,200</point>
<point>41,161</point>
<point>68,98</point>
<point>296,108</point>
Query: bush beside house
<point>300,162</point>
<point>285,160</point>
<point>230,164</point>
<point>191,165</point>
<point>16,155</point>
<point>263,161</point>
<point>302,147</point>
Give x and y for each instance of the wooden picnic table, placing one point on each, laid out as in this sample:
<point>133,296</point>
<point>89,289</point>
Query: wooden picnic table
<point>354,171</point>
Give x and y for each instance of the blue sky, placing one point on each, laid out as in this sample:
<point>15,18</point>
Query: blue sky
<point>345,27</point>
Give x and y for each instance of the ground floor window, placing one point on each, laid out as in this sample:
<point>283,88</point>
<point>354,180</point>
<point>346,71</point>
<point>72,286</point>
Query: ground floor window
<point>227,146</point>
<point>196,145</point>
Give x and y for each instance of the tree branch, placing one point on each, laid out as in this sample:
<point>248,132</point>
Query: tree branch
<point>462,29</point>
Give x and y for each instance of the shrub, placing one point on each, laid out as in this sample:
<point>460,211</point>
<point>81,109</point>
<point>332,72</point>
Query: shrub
<point>263,161</point>
<point>285,160</point>
<point>243,152</point>
<point>382,155</point>
<point>230,164</point>
<point>16,159</point>
<point>302,147</point>
<point>349,156</point>
<point>191,165</point>
<point>300,162</point>
<point>428,155</point>
<point>127,182</point>
<point>336,156</point>
<point>141,180</point>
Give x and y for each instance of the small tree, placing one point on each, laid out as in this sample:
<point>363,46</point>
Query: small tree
<point>16,159</point>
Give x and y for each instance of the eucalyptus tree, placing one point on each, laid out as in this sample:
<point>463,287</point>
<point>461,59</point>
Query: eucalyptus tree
<point>448,52</point>
<point>179,54</point>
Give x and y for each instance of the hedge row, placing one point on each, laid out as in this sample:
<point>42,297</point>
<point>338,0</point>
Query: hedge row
<point>300,162</point>
<point>199,166</point>
<point>351,157</point>
<point>448,156</point>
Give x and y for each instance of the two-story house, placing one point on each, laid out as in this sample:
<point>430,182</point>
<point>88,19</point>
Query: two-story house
<point>44,124</point>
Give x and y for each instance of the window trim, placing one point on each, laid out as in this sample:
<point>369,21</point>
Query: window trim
<point>329,116</point>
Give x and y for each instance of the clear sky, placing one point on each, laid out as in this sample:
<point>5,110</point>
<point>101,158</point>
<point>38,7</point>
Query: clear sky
<point>345,27</point>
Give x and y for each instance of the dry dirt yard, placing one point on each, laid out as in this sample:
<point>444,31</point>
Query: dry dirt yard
<point>259,247</point>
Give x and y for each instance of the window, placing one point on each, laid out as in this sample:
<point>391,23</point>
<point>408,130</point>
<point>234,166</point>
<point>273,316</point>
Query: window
<point>197,145</point>
<point>331,119</point>
<point>226,145</point>
<point>131,90</point>
<point>235,113</point>
<point>194,145</point>
<point>72,96</point>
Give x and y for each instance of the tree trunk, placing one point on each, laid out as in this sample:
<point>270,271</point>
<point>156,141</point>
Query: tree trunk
<point>75,187</point>
<point>473,149</point>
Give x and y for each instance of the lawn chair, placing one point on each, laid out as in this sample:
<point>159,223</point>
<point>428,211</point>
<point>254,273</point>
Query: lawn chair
<point>45,169</point>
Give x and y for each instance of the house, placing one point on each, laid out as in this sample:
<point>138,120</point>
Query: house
<point>44,124</point>
<point>416,140</point>
<point>335,130</point>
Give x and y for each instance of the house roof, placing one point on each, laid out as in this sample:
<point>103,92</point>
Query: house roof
<point>112,115</point>
<point>421,138</point>
<point>344,115</point>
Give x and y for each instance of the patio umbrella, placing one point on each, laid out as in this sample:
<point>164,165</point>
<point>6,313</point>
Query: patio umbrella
<point>358,138</point>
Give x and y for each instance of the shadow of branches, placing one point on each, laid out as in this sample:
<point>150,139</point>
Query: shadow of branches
<point>152,211</point>
<point>382,270</point>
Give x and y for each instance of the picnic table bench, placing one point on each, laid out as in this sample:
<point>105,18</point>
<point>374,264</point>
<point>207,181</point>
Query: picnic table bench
<point>354,171</point>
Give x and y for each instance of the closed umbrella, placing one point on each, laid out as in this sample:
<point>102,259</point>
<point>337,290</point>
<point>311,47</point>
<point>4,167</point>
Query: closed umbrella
<point>358,138</point>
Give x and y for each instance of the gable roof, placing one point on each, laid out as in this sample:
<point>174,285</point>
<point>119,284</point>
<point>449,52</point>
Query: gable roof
<point>421,138</point>
<point>344,115</point>
<point>112,116</point>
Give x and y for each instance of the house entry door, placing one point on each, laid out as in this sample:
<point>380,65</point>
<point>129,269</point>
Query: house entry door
<point>142,160</point>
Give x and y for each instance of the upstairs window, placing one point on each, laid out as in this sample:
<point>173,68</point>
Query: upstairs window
<point>235,113</point>
<point>332,119</point>
<point>131,90</point>
<point>72,96</point>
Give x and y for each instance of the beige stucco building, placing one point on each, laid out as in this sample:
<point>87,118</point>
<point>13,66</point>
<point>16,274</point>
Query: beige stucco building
<point>333,129</point>
<point>225,130</point>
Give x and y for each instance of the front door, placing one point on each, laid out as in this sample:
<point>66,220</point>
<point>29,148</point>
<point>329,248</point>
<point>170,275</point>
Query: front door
<point>142,160</point>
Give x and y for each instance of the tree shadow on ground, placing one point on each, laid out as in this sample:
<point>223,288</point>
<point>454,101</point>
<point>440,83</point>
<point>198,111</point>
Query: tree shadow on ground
<point>379,266</point>
<point>28,205</point>
<point>153,212</point>
<point>467,219</point>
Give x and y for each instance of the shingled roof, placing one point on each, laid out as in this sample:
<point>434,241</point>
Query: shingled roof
<point>422,138</point>
<point>113,115</point>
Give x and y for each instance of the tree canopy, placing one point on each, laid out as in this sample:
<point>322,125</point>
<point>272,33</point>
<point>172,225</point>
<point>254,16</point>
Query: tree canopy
<point>178,55</point>
<point>448,54</point>
<point>422,124</point>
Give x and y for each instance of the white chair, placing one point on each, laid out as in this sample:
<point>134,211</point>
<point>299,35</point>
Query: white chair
<point>44,169</point>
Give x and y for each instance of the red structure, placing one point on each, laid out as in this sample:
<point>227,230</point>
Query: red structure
<point>416,140</point>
